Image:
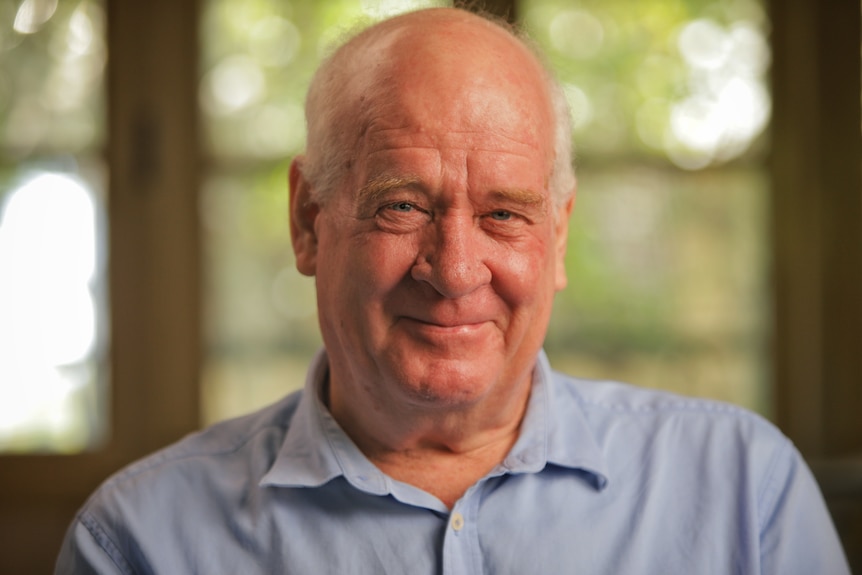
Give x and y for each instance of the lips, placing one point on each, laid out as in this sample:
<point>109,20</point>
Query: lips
<point>451,330</point>
<point>464,322</point>
<point>449,323</point>
<point>447,317</point>
<point>461,333</point>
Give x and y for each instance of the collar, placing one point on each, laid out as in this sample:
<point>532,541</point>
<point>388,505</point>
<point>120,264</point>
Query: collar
<point>316,450</point>
<point>555,431</point>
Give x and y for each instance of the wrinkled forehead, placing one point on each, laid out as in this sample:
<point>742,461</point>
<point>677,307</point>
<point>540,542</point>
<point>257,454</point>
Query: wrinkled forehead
<point>439,65</point>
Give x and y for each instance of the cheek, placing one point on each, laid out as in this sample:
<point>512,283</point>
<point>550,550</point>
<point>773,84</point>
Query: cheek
<point>524,275</point>
<point>334,267</point>
<point>366,266</point>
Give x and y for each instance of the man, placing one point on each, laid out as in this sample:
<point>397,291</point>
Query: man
<point>432,435</point>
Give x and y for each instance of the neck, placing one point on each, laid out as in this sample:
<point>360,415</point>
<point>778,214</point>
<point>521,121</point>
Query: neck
<point>442,472</point>
<point>437,449</point>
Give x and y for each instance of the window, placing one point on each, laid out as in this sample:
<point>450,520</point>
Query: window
<point>668,259</point>
<point>53,298</point>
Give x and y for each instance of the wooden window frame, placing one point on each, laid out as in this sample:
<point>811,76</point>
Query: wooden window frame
<point>816,199</point>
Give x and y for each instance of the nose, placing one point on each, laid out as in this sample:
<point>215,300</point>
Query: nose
<point>452,259</point>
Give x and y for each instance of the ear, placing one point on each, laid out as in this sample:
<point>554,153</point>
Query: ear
<point>561,241</point>
<point>303,216</point>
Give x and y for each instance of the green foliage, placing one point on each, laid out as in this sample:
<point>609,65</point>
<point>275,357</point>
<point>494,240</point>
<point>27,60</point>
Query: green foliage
<point>51,90</point>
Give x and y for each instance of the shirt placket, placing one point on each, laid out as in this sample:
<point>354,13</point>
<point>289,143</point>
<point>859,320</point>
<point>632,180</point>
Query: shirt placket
<point>461,552</point>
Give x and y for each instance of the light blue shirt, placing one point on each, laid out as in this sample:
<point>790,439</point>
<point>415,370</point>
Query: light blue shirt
<point>604,479</point>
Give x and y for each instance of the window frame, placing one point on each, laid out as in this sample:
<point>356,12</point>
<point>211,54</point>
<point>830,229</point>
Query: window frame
<point>816,201</point>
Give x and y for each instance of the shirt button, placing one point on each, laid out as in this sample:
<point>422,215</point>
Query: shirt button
<point>457,521</point>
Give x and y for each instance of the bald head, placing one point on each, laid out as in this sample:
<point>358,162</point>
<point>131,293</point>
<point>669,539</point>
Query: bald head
<point>467,60</point>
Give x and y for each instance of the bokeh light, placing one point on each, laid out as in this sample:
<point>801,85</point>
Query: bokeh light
<point>33,14</point>
<point>379,9</point>
<point>237,82</point>
<point>728,105</point>
<point>48,309</point>
<point>577,33</point>
<point>275,41</point>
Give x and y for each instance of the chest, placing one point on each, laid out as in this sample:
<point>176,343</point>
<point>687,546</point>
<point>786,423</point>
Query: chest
<point>547,523</point>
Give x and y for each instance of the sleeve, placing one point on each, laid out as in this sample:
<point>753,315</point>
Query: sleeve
<point>88,550</point>
<point>797,535</point>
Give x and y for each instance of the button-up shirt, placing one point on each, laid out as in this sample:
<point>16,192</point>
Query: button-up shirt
<point>605,478</point>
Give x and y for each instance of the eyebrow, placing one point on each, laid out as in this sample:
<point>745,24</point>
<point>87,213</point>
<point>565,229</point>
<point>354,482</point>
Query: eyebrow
<point>380,185</point>
<point>527,198</point>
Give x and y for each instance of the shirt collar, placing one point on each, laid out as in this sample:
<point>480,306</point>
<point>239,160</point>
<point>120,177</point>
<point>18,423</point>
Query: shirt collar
<point>555,431</point>
<point>316,449</point>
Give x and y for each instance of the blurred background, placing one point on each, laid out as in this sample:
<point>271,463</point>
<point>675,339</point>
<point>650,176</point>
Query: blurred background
<point>147,284</point>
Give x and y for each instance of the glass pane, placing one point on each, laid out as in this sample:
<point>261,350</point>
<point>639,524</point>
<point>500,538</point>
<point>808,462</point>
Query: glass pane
<point>262,326</point>
<point>258,58</point>
<point>53,335</point>
<point>667,258</point>
<point>667,274</point>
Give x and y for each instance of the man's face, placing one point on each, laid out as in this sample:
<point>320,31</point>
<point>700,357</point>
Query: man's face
<point>438,260</point>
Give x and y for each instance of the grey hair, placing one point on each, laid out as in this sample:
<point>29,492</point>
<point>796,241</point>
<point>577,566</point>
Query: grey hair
<point>562,181</point>
<point>330,149</point>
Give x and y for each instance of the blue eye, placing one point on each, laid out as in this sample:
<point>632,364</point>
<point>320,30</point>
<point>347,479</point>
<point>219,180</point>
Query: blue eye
<point>501,215</point>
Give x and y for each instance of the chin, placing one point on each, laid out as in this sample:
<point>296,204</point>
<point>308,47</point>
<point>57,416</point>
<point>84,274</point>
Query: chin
<point>449,384</point>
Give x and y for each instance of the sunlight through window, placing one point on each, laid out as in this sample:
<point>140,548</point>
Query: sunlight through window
<point>49,330</point>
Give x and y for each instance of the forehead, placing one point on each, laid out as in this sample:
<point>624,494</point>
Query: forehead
<point>441,148</point>
<point>447,81</point>
<point>431,109</point>
<point>385,136</point>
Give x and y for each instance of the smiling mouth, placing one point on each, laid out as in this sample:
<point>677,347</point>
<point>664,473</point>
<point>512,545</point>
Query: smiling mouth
<point>448,328</point>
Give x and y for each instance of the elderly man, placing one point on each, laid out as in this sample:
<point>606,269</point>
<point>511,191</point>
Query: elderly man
<point>432,435</point>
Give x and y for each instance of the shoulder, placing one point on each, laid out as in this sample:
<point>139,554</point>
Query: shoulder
<point>207,461</point>
<point>694,445</point>
<point>622,402</point>
<point>663,428</point>
<point>192,491</point>
<point>673,460</point>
